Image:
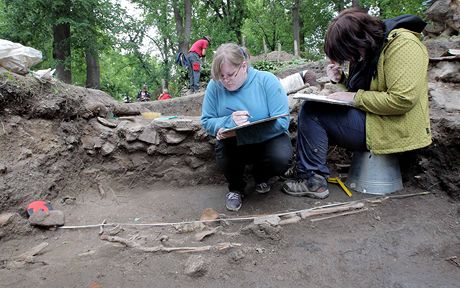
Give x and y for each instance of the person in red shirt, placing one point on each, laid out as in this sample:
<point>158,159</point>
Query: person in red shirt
<point>195,53</point>
<point>165,95</point>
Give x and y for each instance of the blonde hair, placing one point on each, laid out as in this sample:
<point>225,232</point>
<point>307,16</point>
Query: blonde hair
<point>227,53</point>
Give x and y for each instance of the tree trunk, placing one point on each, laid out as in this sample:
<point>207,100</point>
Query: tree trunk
<point>93,72</point>
<point>183,24</point>
<point>61,52</point>
<point>301,34</point>
<point>188,21</point>
<point>296,26</point>
<point>166,66</point>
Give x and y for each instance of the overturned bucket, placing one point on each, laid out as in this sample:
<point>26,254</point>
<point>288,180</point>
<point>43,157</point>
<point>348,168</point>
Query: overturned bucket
<point>374,174</point>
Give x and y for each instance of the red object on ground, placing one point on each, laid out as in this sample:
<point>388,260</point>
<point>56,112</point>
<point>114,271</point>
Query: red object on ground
<point>37,206</point>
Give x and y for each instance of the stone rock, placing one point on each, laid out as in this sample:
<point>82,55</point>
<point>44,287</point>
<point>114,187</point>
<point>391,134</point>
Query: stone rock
<point>50,218</point>
<point>173,137</point>
<point>448,72</point>
<point>202,149</point>
<point>106,122</point>
<point>133,132</point>
<point>158,123</point>
<point>133,146</point>
<point>151,149</point>
<point>196,266</point>
<point>186,125</point>
<point>3,169</point>
<point>149,135</point>
<point>5,217</point>
<point>107,148</point>
<point>445,98</point>
<point>98,142</point>
<point>87,142</point>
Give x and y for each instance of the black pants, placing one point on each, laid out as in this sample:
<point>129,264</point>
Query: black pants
<point>269,158</point>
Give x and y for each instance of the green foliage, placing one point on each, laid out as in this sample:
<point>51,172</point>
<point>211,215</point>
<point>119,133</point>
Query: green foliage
<point>390,8</point>
<point>104,28</point>
<point>268,21</point>
<point>122,74</point>
<point>265,65</point>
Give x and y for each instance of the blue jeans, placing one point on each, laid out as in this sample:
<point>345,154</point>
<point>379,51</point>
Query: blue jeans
<point>269,158</point>
<point>322,124</point>
<point>194,76</point>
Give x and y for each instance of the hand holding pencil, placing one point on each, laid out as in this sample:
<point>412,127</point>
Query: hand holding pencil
<point>240,117</point>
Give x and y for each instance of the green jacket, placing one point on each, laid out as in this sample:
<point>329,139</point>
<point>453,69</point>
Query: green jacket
<point>397,117</point>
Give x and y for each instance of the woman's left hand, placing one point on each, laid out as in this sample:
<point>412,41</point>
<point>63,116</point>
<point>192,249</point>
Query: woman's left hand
<point>343,96</point>
<point>222,135</point>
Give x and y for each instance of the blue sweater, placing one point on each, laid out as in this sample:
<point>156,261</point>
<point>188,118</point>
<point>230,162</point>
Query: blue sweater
<point>261,95</point>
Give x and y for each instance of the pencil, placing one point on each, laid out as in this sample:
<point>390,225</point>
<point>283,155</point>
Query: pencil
<point>233,110</point>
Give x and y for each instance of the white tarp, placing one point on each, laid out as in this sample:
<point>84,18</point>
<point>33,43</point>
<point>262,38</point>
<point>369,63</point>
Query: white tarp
<point>18,58</point>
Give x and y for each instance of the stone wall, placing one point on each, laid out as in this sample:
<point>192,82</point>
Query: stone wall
<point>175,150</point>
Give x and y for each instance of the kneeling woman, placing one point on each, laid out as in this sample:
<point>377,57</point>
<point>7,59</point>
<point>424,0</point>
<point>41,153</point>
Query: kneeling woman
<point>236,95</point>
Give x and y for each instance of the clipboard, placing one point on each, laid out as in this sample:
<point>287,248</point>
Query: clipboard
<point>321,98</point>
<point>272,118</point>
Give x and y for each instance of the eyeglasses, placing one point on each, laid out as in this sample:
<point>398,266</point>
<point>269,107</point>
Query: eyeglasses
<point>233,76</point>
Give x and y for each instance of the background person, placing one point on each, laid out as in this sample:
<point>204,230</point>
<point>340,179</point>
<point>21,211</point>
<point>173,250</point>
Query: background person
<point>236,94</point>
<point>195,53</point>
<point>144,94</point>
<point>165,95</point>
<point>388,85</point>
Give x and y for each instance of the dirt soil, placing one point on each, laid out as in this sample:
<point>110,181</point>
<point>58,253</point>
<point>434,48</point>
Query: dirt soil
<point>397,242</point>
<point>410,242</point>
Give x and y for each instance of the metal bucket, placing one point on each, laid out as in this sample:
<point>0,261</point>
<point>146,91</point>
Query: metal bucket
<point>374,174</point>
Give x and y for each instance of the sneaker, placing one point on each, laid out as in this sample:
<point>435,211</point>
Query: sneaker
<point>289,174</point>
<point>262,188</point>
<point>233,201</point>
<point>315,187</point>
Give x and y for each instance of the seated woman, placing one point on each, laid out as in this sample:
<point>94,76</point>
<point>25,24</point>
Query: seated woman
<point>388,85</point>
<point>143,95</point>
<point>236,95</point>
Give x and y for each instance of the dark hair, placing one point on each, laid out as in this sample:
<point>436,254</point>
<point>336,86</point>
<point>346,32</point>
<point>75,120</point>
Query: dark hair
<point>353,35</point>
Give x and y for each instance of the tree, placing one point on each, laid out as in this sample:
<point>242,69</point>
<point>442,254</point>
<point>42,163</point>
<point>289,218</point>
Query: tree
<point>183,20</point>
<point>269,21</point>
<point>232,13</point>
<point>61,39</point>
<point>296,26</point>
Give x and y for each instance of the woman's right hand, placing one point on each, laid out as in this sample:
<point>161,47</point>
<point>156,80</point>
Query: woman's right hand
<point>240,117</point>
<point>334,72</point>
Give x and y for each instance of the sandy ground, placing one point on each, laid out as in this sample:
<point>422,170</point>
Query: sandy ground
<point>410,242</point>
